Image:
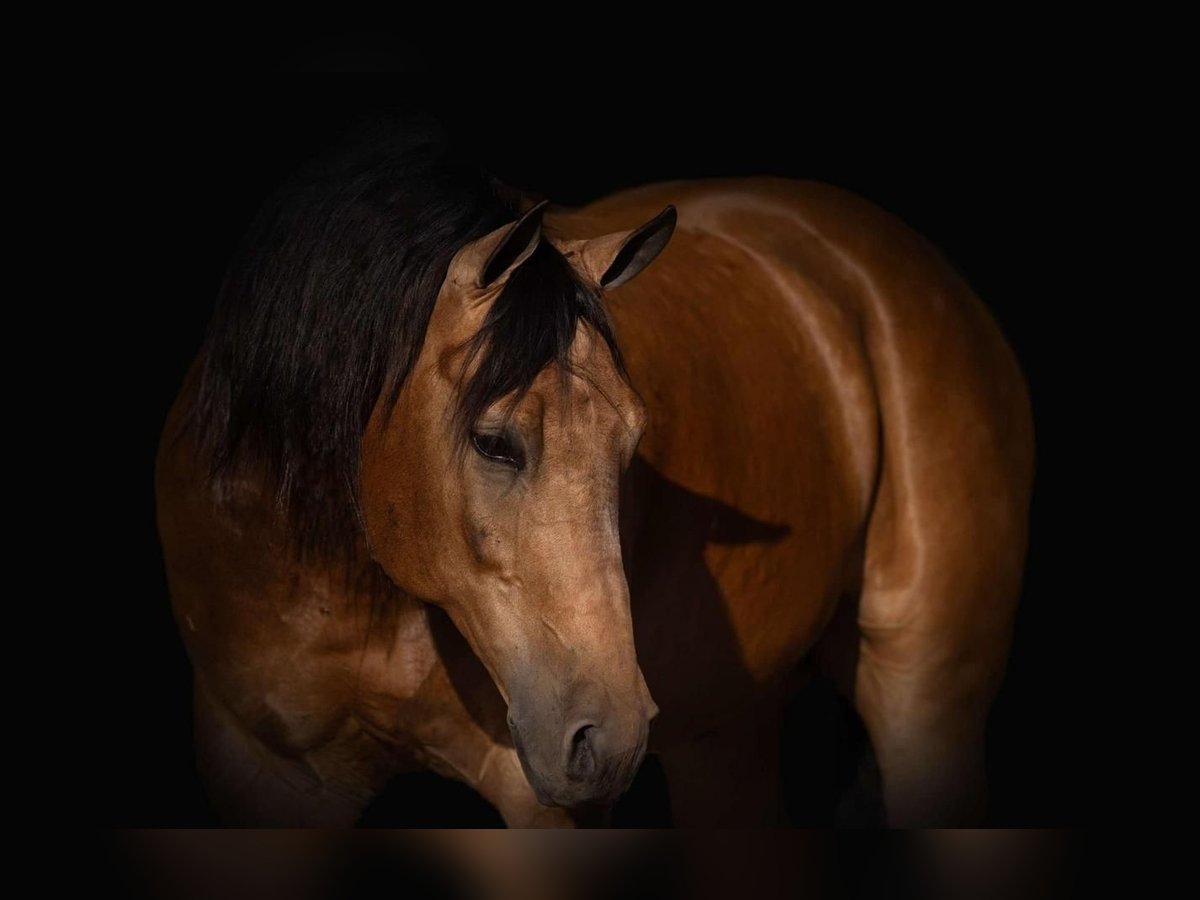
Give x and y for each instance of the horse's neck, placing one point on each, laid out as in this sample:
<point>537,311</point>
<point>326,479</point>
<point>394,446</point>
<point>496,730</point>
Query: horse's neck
<point>243,507</point>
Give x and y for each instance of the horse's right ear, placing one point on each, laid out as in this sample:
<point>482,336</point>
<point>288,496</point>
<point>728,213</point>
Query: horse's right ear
<point>614,259</point>
<point>490,260</point>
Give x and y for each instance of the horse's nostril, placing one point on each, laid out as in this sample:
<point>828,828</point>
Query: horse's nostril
<point>581,754</point>
<point>583,734</point>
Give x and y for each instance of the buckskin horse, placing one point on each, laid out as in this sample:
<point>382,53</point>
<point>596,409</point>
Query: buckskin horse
<point>465,483</point>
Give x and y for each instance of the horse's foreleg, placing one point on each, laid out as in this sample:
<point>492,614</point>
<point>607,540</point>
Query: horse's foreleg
<point>729,777</point>
<point>248,784</point>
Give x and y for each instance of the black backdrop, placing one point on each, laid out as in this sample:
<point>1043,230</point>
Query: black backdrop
<point>990,175</point>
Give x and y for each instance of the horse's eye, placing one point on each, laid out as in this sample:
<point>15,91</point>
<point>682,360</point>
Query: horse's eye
<point>498,448</point>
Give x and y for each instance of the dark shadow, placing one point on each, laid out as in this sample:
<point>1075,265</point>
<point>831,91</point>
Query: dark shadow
<point>829,773</point>
<point>686,645</point>
<point>647,803</point>
<point>426,800</point>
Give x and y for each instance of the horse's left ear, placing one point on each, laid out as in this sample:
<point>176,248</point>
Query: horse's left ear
<point>614,259</point>
<point>488,261</point>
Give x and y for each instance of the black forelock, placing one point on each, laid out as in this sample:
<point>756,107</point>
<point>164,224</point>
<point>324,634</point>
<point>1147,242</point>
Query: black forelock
<point>531,324</point>
<point>325,306</point>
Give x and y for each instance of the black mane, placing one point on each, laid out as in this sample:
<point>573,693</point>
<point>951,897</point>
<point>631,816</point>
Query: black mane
<point>325,304</point>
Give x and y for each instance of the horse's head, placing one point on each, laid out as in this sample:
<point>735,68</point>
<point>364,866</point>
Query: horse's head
<point>490,489</point>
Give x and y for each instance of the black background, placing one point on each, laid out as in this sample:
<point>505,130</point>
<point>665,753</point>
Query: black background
<point>989,163</point>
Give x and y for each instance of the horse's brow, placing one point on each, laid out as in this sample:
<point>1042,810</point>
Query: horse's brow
<point>628,416</point>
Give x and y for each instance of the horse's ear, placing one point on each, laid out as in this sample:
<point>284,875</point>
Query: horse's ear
<point>614,259</point>
<point>498,254</point>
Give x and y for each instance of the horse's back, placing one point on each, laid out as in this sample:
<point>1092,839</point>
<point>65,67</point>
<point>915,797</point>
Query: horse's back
<point>880,323</point>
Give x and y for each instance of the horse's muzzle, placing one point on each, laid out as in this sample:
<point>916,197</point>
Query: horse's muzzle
<point>591,760</point>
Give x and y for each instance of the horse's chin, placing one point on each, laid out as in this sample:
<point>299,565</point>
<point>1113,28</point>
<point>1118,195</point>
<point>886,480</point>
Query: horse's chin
<point>573,796</point>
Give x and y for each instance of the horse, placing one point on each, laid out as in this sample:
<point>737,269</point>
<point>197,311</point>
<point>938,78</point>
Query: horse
<point>517,492</point>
